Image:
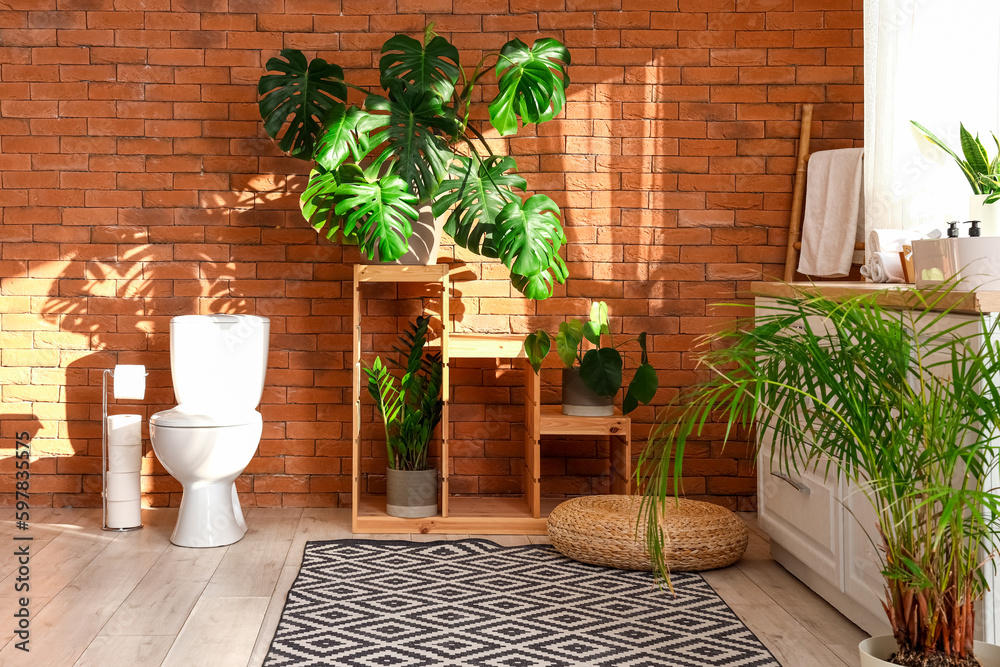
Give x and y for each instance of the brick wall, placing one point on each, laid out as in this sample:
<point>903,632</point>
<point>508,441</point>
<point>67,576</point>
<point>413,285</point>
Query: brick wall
<point>137,184</point>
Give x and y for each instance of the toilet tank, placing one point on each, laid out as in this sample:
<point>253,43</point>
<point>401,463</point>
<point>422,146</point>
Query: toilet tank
<point>218,362</point>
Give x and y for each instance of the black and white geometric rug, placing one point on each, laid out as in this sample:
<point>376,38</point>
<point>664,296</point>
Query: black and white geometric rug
<point>473,603</point>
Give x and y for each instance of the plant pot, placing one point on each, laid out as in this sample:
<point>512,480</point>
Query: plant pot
<point>411,494</point>
<point>875,652</point>
<point>579,400</point>
<point>987,214</point>
<point>424,242</point>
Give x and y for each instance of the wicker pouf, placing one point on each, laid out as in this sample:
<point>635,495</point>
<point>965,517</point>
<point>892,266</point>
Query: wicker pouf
<point>601,530</point>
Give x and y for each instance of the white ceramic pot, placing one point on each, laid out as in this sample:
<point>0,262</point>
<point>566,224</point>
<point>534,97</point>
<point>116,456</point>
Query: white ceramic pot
<point>424,242</point>
<point>875,652</point>
<point>987,214</point>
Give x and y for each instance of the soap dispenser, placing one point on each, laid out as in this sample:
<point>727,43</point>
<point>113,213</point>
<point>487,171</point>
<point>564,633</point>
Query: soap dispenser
<point>953,229</point>
<point>974,229</point>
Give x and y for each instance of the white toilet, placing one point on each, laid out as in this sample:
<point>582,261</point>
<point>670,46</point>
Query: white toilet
<point>217,363</point>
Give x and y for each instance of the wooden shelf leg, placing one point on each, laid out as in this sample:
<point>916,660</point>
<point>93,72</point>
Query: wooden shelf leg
<point>621,463</point>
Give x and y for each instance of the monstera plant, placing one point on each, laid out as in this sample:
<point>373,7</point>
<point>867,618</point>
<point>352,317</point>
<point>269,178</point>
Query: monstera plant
<point>415,142</point>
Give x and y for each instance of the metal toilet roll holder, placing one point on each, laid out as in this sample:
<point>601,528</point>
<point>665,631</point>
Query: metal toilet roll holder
<point>104,457</point>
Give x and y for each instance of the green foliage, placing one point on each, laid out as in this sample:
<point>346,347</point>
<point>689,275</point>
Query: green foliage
<point>530,234</point>
<point>536,346</point>
<point>378,214</point>
<point>901,404</point>
<point>418,133</point>
<point>301,95</point>
<point>982,172</point>
<point>532,84</point>
<point>411,407</point>
<point>432,68</point>
<point>600,367</point>
<point>475,192</point>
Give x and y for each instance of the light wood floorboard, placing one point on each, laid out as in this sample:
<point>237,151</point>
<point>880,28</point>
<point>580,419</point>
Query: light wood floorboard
<point>125,650</point>
<point>132,598</point>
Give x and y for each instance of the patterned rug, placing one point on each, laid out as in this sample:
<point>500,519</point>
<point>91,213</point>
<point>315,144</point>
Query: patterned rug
<point>473,603</point>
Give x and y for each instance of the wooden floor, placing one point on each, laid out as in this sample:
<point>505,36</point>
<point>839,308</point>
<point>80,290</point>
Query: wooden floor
<point>100,598</point>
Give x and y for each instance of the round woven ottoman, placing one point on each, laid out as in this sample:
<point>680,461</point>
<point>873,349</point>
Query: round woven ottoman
<point>601,530</point>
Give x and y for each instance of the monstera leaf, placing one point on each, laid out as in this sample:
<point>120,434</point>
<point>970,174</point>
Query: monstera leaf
<point>427,66</point>
<point>539,286</point>
<point>475,192</point>
<point>340,138</point>
<point>378,213</point>
<point>319,199</point>
<point>601,370</point>
<point>409,126</point>
<point>529,235</point>
<point>301,95</point>
<point>532,83</point>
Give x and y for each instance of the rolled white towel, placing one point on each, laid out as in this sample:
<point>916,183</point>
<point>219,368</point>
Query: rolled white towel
<point>884,267</point>
<point>893,240</point>
<point>889,240</point>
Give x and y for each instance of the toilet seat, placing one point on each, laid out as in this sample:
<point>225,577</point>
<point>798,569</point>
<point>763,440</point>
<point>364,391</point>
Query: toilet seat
<point>185,417</point>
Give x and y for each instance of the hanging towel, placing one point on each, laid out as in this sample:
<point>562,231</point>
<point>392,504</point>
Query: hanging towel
<point>884,267</point>
<point>834,213</point>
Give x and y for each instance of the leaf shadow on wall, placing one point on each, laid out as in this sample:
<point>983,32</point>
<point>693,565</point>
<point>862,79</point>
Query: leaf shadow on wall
<point>118,307</point>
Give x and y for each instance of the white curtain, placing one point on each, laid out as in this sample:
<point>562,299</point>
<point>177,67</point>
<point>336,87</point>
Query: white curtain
<point>936,62</point>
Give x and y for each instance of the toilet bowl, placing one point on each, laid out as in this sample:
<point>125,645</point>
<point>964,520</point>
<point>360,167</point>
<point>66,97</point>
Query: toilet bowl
<point>218,364</point>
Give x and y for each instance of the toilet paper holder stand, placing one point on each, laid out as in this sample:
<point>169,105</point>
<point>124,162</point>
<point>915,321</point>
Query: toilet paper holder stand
<point>104,456</point>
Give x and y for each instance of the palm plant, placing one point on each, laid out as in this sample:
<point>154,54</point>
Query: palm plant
<point>900,404</point>
<point>411,406</point>
<point>982,172</point>
<point>374,162</point>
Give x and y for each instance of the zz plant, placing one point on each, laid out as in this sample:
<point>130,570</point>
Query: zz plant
<point>410,406</point>
<point>414,142</point>
<point>601,366</point>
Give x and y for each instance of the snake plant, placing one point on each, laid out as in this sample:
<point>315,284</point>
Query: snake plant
<point>415,142</point>
<point>982,172</point>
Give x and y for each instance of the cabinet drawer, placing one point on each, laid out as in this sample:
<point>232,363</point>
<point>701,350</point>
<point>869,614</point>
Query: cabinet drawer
<point>800,511</point>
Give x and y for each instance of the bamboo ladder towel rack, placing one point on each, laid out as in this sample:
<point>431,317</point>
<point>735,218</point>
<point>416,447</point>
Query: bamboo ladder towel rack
<point>799,196</point>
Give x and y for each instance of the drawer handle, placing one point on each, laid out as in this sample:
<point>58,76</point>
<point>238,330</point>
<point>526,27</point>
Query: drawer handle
<point>798,486</point>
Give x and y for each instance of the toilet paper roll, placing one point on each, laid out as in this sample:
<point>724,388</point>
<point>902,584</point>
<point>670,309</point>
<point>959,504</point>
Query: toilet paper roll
<point>122,486</point>
<point>124,443</point>
<point>124,514</point>
<point>130,381</point>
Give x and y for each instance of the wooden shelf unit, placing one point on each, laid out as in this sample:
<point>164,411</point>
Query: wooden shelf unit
<point>492,516</point>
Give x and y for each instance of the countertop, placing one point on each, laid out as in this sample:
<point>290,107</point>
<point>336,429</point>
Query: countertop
<point>890,295</point>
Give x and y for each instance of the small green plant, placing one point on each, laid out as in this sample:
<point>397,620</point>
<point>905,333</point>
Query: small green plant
<point>982,172</point>
<point>601,366</point>
<point>411,406</point>
<point>374,162</point>
<point>903,405</point>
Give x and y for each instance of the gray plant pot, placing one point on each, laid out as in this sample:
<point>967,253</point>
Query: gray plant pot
<point>424,242</point>
<point>411,494</point>
<point>579,400</point>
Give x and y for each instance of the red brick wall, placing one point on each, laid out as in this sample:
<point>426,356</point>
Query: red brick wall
<point>137,184</point>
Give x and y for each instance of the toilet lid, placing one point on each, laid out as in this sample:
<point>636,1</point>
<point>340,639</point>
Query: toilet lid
<point>182,417</point>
